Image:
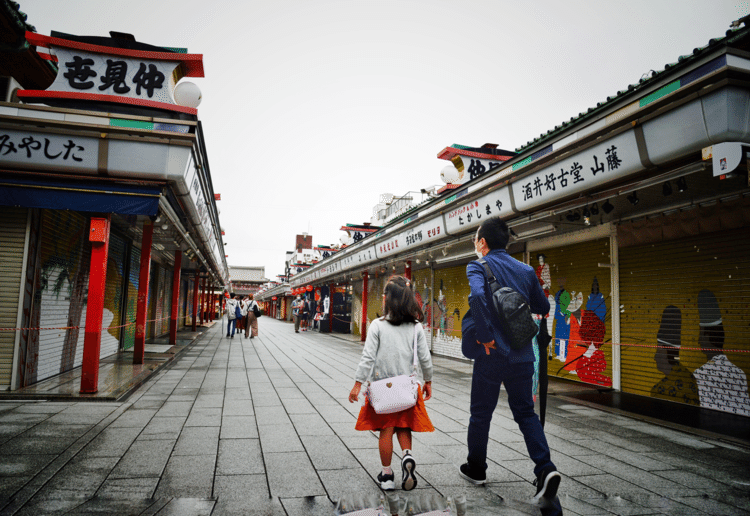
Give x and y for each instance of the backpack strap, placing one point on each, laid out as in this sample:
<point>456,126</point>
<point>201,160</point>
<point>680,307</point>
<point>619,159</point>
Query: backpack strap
<point>494,285</point>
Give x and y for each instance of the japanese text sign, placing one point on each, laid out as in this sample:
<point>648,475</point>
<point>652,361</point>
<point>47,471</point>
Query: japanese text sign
<point>596,165</point>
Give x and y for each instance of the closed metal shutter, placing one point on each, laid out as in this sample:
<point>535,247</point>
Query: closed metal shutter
<point>159,302</point>
<point>12,242</point>
<point>375,287</point>
<point>189,301</point>
<point>128,335</point>
<point>357,307</point>
<point>686,320</point>
<point>580,317</point>
<point>152,298</point>
<point>113,291</point>
<point>65,257</point>
<point>167,302</point>
<point>449,304</point>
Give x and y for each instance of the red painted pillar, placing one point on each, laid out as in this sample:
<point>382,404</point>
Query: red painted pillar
<point>139,347</point>
<point>175,297</point>
<point>407,270</point>
<point>211,305</point>
<point>92,340</point>
<point>363,325</point>
<point>195,300</point>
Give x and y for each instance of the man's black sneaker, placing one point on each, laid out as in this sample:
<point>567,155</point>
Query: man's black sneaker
<point>386,482</point>
<point>472,475</point>
<point>546,484</point>
<point>408,467</point>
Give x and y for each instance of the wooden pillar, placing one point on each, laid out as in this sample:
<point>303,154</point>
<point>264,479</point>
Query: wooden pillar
<point>175,297</point>
<point>196,285</point>
<point>363,323</point>
<point>139,347</point>
<point>92,340</point>
<point>407,270</point>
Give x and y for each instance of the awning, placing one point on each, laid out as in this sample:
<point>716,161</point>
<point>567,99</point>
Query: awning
<point>59,195</point>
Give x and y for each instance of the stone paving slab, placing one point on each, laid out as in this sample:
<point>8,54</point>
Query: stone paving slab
<point>263,427</point>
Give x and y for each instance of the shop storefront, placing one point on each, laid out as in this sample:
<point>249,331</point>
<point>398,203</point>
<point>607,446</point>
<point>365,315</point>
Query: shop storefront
<point>634,216</point>
<point>94,235</point>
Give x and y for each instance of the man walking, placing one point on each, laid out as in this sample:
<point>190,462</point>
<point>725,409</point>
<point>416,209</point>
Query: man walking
<point>496,363</point>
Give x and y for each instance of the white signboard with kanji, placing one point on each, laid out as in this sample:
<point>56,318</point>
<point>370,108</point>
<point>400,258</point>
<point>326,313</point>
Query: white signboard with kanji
<point>473,213</point>
<point>596,165</point>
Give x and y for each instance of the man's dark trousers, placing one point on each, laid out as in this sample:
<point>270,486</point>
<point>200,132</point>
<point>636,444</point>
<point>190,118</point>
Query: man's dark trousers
<point>490,371</point>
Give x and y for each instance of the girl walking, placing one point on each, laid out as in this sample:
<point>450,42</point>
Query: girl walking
<point>388,352</point>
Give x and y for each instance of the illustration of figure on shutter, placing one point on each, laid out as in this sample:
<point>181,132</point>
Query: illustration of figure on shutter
<point>593,327</point>
<point>567,323</point>
<point>678,383</point>
<point>721,384</point>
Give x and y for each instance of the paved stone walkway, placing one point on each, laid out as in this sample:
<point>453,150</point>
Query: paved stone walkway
<point>263,427</point>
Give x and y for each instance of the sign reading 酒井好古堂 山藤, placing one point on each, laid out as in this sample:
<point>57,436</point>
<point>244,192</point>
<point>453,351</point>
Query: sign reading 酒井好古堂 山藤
<point>596,165</point>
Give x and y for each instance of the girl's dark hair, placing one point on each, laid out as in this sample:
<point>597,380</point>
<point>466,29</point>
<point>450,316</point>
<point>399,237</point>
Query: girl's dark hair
<point>400,303</point>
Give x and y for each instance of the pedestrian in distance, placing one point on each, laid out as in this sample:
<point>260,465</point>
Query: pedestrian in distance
<point>231,305</point>
<point>305,313</point>
<point>296,312</point>
<point>252,321</point>
<point>389,352</point>
<point>242,301</point>
<point>495,363</point>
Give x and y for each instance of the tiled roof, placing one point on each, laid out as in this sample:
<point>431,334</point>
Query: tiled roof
<point>733,35</point>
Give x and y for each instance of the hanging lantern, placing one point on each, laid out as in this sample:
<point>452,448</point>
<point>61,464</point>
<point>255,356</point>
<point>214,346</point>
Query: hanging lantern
<point>274,298</point>
<point>309,288</point>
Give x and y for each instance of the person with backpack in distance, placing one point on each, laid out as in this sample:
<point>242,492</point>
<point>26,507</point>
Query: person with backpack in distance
<point>253,312</point>
<point>232,309</point>
<point>499,357</point>
<point>395,342</point>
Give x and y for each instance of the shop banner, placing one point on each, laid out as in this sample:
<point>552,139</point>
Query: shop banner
<point>581,172</point>
<point>473,213</point>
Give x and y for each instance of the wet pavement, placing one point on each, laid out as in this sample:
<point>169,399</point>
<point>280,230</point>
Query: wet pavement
<point>118,375</point>
<point>263,427</point>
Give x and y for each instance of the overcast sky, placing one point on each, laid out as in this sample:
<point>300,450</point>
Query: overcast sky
<point>312,109</point>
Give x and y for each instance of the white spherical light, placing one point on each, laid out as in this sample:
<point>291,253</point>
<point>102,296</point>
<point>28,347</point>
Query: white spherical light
<point>187,94</point>
<point>449,174</point>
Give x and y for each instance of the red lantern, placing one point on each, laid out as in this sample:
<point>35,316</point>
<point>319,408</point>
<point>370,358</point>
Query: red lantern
<point>309,288</point>
<point>274,298</point>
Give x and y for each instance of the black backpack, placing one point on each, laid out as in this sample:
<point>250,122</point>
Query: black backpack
<point>513,312</point>
<point>256,309</point>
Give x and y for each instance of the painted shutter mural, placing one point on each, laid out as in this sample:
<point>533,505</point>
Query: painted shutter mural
<point>580,317</point>
<point>61,295</point>
<point>357,307</point>
<point>375,287</point>
<point>449,303</point>
<point>686,320</point>
<point>12,241</point>
<point>113,294</point>
<point>128,339</point>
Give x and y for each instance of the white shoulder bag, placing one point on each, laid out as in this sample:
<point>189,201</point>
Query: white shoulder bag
<point>397,393</point>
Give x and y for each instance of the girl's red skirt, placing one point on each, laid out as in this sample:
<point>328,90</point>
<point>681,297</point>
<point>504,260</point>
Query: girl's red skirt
<point>415,418</point>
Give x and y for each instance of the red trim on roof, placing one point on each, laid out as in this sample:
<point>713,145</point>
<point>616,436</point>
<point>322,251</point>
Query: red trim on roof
<point>193,62</point>
<point>359,228</point>
<point>48,57</point>
<point>450,152</point>
<point>42,94</point>
<point>449,186</point>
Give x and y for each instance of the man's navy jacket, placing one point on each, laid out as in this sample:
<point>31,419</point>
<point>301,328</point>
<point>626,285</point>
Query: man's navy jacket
<point>509,272</point>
